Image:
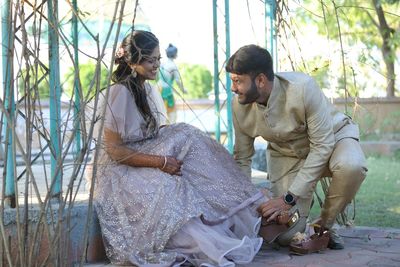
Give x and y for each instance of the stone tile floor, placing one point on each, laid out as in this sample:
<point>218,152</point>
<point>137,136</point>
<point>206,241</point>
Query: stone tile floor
<point>364,246</point>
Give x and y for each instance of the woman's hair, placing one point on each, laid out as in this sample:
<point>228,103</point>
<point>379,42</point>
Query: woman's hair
<point>252,60</point>
<point>171,51</point>
<point>133,50</point>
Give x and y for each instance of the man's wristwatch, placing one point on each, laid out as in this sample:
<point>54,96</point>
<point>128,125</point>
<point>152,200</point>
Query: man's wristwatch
<point>289,199</point>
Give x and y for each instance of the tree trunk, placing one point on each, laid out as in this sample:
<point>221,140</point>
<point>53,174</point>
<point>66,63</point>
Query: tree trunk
<point>387,51</point>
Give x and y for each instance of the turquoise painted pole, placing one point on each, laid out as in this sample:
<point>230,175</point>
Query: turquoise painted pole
<point>265,24</point>
<point>270,40</point>
<point>216,74</point>
<point>268,14</point>
<point>271,31</point>
<point>228,80</point>
<point>77,100</point>
<point>55,98</point>
<point>8,121</point>
<point>273,34</point>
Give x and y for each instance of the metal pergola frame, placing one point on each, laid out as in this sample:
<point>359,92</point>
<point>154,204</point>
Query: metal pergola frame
<point>9,117</point>
<point>270,44</point>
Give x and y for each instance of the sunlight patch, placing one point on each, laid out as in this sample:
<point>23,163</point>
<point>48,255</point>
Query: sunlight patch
<point>395,209</point>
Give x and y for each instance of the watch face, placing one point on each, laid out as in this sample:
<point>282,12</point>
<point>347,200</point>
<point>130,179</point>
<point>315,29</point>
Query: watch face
<point>289,198</point>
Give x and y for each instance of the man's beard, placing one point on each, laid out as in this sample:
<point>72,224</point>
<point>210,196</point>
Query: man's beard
<point>251,95</point>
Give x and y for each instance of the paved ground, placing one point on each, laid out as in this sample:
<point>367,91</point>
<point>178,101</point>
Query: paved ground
<point>364,246</point>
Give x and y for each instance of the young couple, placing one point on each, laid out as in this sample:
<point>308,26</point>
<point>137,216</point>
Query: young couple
<point>168,195</point>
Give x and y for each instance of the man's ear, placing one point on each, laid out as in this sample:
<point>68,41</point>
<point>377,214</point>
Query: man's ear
<point>261,80</point>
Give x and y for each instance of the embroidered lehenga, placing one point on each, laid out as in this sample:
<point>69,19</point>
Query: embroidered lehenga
<point>206,217</point>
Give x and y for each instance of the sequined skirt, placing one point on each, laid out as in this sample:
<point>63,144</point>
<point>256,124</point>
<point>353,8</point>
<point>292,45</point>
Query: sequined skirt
<point>150,217</point>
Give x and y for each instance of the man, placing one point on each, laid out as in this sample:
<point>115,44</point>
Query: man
<point>169,74</point>
<point>307,139</point>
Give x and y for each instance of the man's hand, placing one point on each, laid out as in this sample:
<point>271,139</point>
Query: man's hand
<point>272,208</point>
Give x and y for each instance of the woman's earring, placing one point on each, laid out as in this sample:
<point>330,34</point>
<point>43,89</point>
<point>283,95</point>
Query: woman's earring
<point>134,73</point>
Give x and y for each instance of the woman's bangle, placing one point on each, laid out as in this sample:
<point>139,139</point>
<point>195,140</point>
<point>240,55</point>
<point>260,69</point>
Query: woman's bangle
<point>165,163</point>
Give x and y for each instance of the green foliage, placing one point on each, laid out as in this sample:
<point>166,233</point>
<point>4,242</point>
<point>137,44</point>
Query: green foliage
<point>319,72</point>
<point>372,128</point>
<point>316,61</point>
<point>375,202</point>
<point>197,80</point>
<point>359,27</point>
<point>37,84</point>
<point>351,87</point>
<point>391,123</point>
<point>396,155</point>
<point>355,19</point>
<point>367,126</point>
<point>88,76</point>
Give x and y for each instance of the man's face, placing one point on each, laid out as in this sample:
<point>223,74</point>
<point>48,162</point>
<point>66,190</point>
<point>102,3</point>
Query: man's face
<point>245,88</point>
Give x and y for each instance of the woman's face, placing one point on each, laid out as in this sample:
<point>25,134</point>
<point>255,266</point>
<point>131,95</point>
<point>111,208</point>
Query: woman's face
<point>148,68</point>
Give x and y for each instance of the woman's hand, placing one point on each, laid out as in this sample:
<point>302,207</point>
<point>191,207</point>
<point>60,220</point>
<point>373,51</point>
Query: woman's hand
<point>172,166</point>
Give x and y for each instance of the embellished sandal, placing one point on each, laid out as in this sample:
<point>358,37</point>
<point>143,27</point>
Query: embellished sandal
<point>315,243</point>
<point>270,231</point>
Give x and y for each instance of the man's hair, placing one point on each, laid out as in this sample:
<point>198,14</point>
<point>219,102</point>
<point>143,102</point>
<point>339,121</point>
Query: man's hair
<point>251,60</point>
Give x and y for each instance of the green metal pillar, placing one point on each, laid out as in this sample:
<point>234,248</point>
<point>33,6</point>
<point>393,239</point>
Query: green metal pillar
<point>228,80</point>
<point>77,100</point>
<point>270,40</point>
<point>55,99</point>
<point>216,74</point>
<point>9,103</point>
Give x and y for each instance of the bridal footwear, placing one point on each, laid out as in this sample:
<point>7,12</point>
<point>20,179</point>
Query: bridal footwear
<point>270,231</point>
<point>315,243</point>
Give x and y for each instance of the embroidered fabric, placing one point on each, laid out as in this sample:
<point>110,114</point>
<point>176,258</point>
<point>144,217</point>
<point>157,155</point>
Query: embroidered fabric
<point>206,217</point>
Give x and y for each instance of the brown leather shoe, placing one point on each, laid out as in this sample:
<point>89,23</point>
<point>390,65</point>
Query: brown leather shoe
<point>270,231</point>
<point>315,243</point>
<point>335,240</point>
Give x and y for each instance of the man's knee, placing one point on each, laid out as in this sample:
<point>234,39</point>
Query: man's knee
<point>352,171</point>
<point>348,161</point>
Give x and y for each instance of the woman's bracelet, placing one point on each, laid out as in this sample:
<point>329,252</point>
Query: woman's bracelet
<point>165,163</point>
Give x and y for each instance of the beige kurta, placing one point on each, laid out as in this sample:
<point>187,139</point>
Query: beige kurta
<point>301,126</point>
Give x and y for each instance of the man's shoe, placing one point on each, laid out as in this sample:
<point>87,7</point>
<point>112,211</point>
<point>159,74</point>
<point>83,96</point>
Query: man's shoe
<point>335,240</point>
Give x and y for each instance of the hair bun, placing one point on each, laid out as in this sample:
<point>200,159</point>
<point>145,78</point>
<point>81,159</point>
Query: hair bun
<point>171,51</point>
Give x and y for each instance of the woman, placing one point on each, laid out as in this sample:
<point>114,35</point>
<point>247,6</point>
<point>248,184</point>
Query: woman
<point>166,195</point>
<point>169,74</point>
